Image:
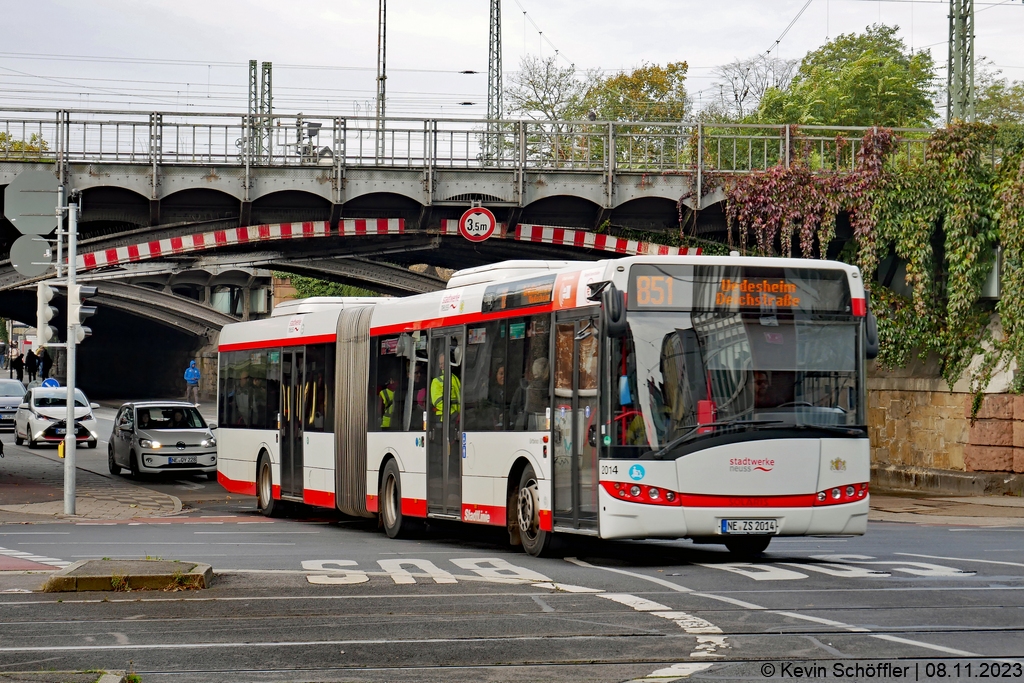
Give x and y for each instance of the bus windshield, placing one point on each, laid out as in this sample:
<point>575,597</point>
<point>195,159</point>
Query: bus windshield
<point>683,370</point>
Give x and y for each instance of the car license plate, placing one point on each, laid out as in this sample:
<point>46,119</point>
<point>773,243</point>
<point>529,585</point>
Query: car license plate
<point>750,526</point>
<point>60,431</point>
<point>182,460</point>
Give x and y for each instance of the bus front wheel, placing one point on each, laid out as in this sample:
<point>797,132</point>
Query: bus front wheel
<point>396,525</point>
<point>534,539</point>
<point>748,546</point>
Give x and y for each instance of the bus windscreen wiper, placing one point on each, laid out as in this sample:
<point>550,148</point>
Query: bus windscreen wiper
<point>696,431</point>
<point>835,429</point>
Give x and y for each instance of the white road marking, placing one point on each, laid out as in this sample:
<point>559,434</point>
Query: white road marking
<point>690,623</point>
<point>639,604</point>
<point>757,572</point>
<point>841,570</point>
<point>398,572</point>
<point>676,671</point>
<point>30,557</point>
<point>206,645</point>
<point>795,615</point>
<point>652,579</point>
<point>544,607</point>
<point>189,485</point>
<point>912,568</point>
<point>566,587</point>
<point>965,559</point>
<point>497,568</point>
<point>342,576</point>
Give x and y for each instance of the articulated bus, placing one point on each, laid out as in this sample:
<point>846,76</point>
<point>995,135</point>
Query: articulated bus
<point>720,399</point>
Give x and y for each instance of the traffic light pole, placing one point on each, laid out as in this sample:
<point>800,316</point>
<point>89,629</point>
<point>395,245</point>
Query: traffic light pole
<point>69,424</point>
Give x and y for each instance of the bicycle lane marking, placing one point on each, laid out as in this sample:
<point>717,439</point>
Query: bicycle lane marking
<point>794,615</point>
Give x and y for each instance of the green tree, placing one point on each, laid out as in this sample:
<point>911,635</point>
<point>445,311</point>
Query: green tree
<point>647,93</point>
<point>311,286</point>
<point>1001,101</point>
<point>865,79</point>
<point>543,89</point>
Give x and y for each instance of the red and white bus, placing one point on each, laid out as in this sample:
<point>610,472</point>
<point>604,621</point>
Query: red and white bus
<point>716,398</point>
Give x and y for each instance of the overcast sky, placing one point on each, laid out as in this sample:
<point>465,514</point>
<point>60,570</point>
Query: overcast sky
<point>324,53</point>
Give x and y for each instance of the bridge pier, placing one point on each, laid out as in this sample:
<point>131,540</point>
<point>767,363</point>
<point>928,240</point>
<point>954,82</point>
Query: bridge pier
<point>336,213</point>
<point>244,213</point>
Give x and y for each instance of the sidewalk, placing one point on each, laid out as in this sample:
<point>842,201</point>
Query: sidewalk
<point>981,511</point>
<point>32,490</point>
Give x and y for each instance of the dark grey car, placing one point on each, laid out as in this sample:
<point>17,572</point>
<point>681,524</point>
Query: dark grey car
<point>162,436</point>
<point>12,393</point>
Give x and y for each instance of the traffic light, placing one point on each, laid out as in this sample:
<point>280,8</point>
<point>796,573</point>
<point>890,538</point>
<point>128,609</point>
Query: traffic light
<point>77,313</point>
<point>44,314</point>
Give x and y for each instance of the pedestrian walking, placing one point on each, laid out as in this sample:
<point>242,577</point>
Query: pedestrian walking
<point>18,365</point>
<point>31,365</point>
<point>192,383</point>
<point>45,361</point>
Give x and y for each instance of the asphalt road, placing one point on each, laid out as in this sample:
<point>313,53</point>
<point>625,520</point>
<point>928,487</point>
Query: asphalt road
<point>317,597</point>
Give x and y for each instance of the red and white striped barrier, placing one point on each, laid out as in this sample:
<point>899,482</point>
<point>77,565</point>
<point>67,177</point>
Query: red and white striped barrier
<point>348,227</point>
<point>359,227</point>
<point>572,237</point>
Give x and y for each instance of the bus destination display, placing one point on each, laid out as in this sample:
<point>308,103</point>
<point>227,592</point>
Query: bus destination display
<point>688,287</point>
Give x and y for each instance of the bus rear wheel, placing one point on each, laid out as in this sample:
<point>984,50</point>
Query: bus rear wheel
<point>265,488</point>
<point>748,546</point>
<point>534,539</point>
<point>396,525</point>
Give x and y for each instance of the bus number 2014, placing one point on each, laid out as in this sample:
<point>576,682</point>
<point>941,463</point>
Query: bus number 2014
<point>609,469</point>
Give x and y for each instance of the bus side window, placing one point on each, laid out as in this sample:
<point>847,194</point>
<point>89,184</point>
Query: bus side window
<point>483,383</point>
<point>319,380</point>
<point>528,373</point>
<point>388,380</point>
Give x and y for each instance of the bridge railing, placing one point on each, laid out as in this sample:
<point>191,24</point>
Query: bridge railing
<point>156,138</point>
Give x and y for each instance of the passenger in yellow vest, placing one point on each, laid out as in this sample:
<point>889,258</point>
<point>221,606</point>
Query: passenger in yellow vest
<point>387,403</point>
<point>437,392</point>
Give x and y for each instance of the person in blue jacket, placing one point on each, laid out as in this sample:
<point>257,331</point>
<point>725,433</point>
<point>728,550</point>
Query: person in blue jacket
<point>192,383</point>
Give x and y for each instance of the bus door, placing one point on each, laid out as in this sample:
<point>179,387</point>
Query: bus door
<point>292,364</point>
<point>575,423</point>
<point>444,423</point>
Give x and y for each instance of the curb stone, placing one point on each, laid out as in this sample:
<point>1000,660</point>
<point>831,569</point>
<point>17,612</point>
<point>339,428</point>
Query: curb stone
<point>99,575</point>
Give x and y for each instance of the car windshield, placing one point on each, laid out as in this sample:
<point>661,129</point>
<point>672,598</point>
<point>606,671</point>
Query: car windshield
<point>11,388</point>
<point>58,398</point>
<point>169,417</point>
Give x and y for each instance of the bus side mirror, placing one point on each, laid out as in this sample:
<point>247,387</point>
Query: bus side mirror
<point>871,336</point>
<point>870,331</point>
<point>613,309</point>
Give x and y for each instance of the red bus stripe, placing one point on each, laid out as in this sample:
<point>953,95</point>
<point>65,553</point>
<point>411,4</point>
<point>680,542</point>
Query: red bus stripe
<point>273,343</point>
<point>324,499</point>
<point>464,319</point>
<point>483,514</point>
<point>371,503</point>
<point>699,500</point>
<point>414,507</point>
<point>245,488</point>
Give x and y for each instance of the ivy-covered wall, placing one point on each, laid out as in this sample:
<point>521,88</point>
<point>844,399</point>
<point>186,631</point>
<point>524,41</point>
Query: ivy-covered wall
<point>942,213</point>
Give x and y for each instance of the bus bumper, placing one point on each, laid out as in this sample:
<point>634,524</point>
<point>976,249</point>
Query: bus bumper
<point>623,519</point>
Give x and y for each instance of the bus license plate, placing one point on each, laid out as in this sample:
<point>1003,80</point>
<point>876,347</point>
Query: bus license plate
<point>182,460</point>
<point>750,526</point>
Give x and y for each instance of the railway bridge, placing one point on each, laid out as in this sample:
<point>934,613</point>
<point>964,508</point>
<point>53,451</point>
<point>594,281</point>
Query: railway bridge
<point>179,207</point>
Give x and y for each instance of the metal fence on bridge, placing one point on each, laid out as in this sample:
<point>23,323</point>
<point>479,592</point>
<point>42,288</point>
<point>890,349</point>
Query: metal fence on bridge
<point>155,138</point>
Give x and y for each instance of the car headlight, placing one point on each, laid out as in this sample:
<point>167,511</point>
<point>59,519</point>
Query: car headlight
<point>208,442</point>
<point>146,443</point>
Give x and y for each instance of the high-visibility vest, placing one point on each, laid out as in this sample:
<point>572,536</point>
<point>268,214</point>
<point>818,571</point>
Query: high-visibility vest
<point>388,397</point>
<point>437,395</point>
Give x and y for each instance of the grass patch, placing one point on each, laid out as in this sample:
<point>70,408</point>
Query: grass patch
<point>184,582</point>
<point>119,583</point>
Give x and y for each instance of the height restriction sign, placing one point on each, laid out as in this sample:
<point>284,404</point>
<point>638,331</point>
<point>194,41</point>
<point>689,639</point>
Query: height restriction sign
<point>477,224</point>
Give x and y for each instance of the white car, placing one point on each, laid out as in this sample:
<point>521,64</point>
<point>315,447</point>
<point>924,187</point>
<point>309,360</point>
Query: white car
<point>42,417</point>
